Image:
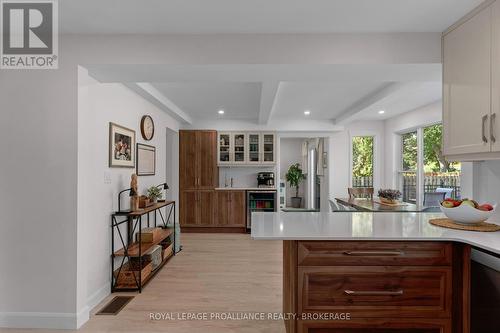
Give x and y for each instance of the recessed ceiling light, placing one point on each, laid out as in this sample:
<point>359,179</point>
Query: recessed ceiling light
<point>307,112</point>
<point>220,112</point>
<point>381,112</point>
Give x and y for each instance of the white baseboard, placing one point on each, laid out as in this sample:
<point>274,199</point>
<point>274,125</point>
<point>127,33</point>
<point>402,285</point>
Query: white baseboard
<point>54,320</point>
<point>51,320</point>
<point>97,297</point>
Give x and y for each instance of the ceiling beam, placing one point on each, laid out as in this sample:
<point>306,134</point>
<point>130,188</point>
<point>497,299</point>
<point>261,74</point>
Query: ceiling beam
<point>368,101</point>
<point>268,97</point>
<point>153,95</point>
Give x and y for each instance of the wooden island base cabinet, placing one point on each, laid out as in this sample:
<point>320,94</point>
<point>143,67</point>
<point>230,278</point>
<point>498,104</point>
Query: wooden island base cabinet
<point>376,286</point>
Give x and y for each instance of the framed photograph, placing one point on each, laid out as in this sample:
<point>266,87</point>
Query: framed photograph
<point>146,160</point>
<point>121,147</point>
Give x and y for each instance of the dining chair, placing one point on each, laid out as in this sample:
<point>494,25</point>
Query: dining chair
<point>433,199</point>
<point>431,210</point>
<point>448,191</point>
<point>345,208</point>
<point>360,192</point>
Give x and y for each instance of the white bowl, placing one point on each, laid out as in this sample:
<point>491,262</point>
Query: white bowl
<point>466,214</point>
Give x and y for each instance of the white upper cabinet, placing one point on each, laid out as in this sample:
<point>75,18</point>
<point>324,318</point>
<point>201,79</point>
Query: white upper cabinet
<point>246,148</point>
<point>224,148</point>
<point>254,148</point>
<point>467,87</point>
<point>269,148</point>
<point>239,148</point>
<point>495,78</point>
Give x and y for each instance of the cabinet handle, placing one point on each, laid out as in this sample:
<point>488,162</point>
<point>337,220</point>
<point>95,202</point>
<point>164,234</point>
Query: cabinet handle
<point>374,253</point>
<point>492,129</point>
<point>485,118</point>
<point>373,293</point>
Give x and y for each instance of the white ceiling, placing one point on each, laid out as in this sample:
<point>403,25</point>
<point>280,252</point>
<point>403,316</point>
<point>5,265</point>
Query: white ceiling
<point>333,93</point>
<point>202,100</point>
<point>325,100</point>
<point>409,97</point>
<point>259,16</point>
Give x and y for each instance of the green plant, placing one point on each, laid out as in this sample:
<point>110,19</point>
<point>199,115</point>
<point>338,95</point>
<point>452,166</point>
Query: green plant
<point>154,193</point>
<point>294,176</point>
<point>389,194</point>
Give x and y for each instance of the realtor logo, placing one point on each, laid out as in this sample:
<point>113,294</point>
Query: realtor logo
<point>28,31</point>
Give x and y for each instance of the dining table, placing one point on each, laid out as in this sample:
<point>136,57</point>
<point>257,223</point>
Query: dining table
<point>375,205</point>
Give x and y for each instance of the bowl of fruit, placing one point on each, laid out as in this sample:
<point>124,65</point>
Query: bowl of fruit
<point>467,211</point>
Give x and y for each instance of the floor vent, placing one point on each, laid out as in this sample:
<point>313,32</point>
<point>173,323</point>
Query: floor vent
<point>115,305</point>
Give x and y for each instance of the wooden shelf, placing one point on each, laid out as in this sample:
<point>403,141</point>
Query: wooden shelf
<point>133,249</point>
<point>150,208</point>
<point>146,279</point>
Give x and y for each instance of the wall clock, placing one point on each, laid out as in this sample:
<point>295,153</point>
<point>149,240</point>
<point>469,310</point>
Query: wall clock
<point>147,127</point>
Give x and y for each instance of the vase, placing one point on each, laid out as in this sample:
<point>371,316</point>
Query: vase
<point>388,201</point>
<point>296,202</point>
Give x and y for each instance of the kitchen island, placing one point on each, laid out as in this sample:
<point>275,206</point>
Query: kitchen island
<point>370,272</point>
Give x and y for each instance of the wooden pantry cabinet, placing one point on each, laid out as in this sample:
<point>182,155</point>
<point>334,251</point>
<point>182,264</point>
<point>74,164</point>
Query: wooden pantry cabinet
<point>471,85</point>
<point>198,177</point>
<point>202,208</point>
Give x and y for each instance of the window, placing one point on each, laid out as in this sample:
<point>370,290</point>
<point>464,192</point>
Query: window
<point>424,169</point>
<point>409,154</point>
<point>362,161</point>
<point>439,173</point>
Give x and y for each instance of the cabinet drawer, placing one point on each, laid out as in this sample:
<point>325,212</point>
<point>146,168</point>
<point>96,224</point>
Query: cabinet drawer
<point>415,325</point>
<point>371,291</point>
<point>321,253</point>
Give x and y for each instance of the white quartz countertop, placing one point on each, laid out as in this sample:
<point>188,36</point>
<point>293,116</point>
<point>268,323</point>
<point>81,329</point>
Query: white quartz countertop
<point>245,189</point>
<point>364,226</point>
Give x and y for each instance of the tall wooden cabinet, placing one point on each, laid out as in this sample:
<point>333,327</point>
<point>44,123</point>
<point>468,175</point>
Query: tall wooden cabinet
<point>198,177</point>
<point>202,208</point>
<point>198,160</point>
<point>471,85</point>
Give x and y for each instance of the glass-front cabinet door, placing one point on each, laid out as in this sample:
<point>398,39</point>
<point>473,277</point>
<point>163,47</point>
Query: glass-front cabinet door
<point>269,148</point>
<point>239,145</point>
<point>224,148</point>
<point>254,148</point>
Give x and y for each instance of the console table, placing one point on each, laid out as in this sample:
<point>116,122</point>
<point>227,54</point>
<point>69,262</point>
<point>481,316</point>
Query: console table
<point>133,251</point>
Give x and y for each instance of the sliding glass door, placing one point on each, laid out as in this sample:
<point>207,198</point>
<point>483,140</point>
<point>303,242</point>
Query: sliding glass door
<point>426,176</point>
<point>409,162</point>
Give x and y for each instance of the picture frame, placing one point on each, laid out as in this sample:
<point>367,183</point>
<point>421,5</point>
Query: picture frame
<point>146,160</point>
<point>121,146</point>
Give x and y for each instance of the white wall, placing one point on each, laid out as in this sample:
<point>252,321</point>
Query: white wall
<point>39,145</point>
<point>425,116</point>
<point>291,153</point>
<point>242,176</point>
<point>100,104</point>
<point>340,159</point>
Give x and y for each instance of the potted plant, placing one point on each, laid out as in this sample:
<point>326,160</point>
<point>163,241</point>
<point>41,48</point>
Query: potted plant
<point>154,193</point>
<point>389,196</point>
<point>294,176</point>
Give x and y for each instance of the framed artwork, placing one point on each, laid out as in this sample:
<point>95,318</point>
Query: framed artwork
<point>121,146</point>
<point>146,160</point>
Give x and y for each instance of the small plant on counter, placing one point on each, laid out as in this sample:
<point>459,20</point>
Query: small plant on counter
<point>154,193</point>
<point>294,176</point>
<point>388,195</point>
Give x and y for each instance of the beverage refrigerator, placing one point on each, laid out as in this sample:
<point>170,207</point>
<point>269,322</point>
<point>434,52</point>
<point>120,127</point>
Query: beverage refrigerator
<point>260,201</point>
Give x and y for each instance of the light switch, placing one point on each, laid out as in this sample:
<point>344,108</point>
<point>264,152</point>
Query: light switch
<point>107,177</point>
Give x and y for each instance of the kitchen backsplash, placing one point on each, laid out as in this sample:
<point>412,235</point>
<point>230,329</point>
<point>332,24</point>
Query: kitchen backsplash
<point>242,176</point>
<point>487,183</point>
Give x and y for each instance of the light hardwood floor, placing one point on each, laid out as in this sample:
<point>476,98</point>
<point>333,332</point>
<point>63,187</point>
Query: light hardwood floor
<point>213,273</point>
